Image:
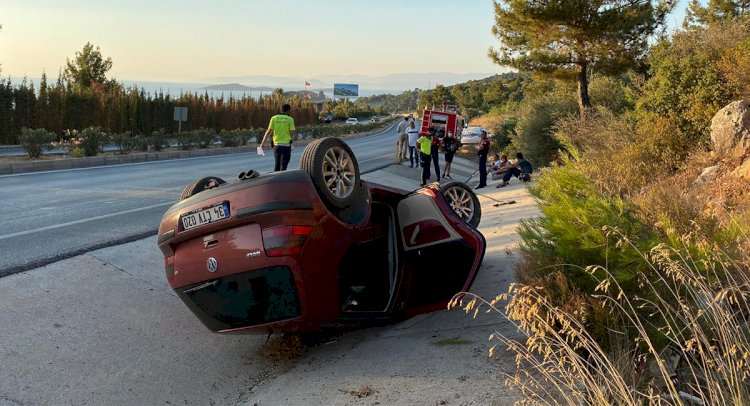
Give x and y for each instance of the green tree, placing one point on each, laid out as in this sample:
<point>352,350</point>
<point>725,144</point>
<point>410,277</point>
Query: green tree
<point>569,38</point>
<point>87,67</point>
<point>715,10</point>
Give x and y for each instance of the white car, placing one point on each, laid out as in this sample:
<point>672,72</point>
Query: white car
<point>352,120</point>
<point>472,135</point>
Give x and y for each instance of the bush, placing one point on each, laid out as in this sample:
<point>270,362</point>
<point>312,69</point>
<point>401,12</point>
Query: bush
<point>125,142</point>
<point>187,140</point>
<point>205,137</point>
<point>684,339</point>
<point>157,141</point>
<point>77,152</point>
<point>500,126</point>
<point>234,138</point>
<point>695,73</point>
<point>91,140</point>
<point>35,141</point>
<point>574,230</point>
<point>536,118</point>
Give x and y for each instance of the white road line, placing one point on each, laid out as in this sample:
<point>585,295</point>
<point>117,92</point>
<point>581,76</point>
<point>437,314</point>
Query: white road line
<point>36,230</point>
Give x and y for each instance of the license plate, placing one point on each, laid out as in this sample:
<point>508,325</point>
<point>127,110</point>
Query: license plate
<point>205,216</point>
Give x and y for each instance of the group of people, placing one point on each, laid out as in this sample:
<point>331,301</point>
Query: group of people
<point>423,149</point>
<point>501,168</point>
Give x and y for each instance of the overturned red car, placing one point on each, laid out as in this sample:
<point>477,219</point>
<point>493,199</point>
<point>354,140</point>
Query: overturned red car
<point>315,248</point>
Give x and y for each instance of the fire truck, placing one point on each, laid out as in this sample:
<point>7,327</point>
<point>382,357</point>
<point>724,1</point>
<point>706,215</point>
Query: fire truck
<point>442,120</point>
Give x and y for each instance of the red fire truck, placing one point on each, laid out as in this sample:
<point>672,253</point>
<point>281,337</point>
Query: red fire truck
<point>442,120</point>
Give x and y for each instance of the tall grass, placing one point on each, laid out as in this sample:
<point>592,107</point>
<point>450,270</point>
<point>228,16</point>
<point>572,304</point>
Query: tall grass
<point>682,340</point>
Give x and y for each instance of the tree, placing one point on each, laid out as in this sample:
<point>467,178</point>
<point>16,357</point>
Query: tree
<point>569,38</point>
<point>87,67</point>
<point>715,10</point>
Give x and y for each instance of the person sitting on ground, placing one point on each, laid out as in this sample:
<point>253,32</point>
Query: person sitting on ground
<point>498,168</point>
<point>521,169</point>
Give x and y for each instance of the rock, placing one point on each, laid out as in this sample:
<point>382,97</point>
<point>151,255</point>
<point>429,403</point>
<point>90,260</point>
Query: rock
<point>730,129</point>
<point>708,175</point>
<point>743,171</point>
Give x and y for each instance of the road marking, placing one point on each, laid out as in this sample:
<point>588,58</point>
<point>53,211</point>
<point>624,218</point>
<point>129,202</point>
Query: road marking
<point>71,223</point>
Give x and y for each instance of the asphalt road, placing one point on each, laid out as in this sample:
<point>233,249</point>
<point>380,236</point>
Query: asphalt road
<point>48,216</point>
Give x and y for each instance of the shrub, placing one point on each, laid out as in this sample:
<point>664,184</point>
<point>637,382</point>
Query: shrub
<point>234,138</point>
<point>157,141</point>
<point>695,73</point>
<point>622,155</point>
<point>187,140</point>
<point>684,339</point>
<point>501,126</point>
<point>35,141</point>
<point>574,230</point>
<point>536,119</point>
<point>91,140</point>
<point>77,152</point>
<point>125,142</point>
<point>205,137</point>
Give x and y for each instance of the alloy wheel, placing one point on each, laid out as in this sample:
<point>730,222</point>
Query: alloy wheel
<point>338,172</point>
<point>461,202</point>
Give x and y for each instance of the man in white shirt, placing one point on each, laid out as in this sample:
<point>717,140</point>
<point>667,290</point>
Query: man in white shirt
<point>413,135</point>
<point>402,142</point>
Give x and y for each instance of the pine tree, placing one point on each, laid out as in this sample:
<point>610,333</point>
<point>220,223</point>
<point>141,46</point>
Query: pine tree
<point>88,66</point>
<point>715,11</point>
<point>569,38</point>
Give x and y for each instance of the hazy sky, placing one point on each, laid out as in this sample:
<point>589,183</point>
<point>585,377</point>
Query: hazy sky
<point>188,40</point>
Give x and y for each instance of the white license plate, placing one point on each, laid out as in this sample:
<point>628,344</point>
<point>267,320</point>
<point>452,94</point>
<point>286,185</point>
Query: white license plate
<point>205,216</point>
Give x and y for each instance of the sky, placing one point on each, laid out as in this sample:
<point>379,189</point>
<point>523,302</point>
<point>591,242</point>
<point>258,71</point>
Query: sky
<point>191,40</point>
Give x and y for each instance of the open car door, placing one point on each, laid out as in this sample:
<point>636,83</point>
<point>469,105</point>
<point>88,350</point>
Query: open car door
<point>442,253</point>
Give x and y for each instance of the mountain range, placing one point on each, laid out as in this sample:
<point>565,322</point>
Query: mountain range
<point>396,81</point>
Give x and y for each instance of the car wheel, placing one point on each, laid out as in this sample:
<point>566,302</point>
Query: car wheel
<point>200,185</point>
<point>463,201</point>
<point>333,169</point>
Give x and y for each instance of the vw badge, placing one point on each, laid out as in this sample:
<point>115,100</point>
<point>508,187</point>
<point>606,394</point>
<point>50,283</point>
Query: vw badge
<point>212,264</point>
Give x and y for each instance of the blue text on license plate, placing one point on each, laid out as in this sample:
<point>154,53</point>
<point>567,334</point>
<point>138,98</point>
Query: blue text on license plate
<point>205,216</point>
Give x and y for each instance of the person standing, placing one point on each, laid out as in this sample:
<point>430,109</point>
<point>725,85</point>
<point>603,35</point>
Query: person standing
<point>413,134</point>
<point>425,145</point>
<point>282,128</point>
<point>482,150</point>
<point>450,143</point>
<point>403,140</point>
<point>434,147</point>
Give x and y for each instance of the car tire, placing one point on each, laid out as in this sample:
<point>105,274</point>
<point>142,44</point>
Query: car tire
<point>334,171</point>
<point>199,185</point>
<point>463,201</point>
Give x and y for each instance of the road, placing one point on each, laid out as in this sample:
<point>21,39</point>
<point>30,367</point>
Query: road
<point>48,216</point>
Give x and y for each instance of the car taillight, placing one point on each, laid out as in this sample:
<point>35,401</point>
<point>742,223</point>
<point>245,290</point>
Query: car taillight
<point>286,240</point>
<point>169,267</point>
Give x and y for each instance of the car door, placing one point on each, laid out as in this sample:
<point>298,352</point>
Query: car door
<point>441,253</point>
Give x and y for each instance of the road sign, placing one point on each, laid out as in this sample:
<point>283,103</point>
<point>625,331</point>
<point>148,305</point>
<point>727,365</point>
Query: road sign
<point>345,89</point>
<point>180,115</point>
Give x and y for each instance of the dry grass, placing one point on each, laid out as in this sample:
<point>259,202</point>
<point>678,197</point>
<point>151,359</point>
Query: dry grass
<point>683,340</point>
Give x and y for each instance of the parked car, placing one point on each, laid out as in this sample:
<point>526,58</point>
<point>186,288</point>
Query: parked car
<point>352,120</point>
<point>308,249</point>
<point>472,135</point>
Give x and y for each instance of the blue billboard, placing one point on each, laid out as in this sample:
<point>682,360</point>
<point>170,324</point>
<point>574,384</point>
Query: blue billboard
<point>345,89</point>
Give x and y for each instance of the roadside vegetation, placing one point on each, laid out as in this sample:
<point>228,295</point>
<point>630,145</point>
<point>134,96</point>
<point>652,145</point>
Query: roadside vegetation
<point>634,284</point>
